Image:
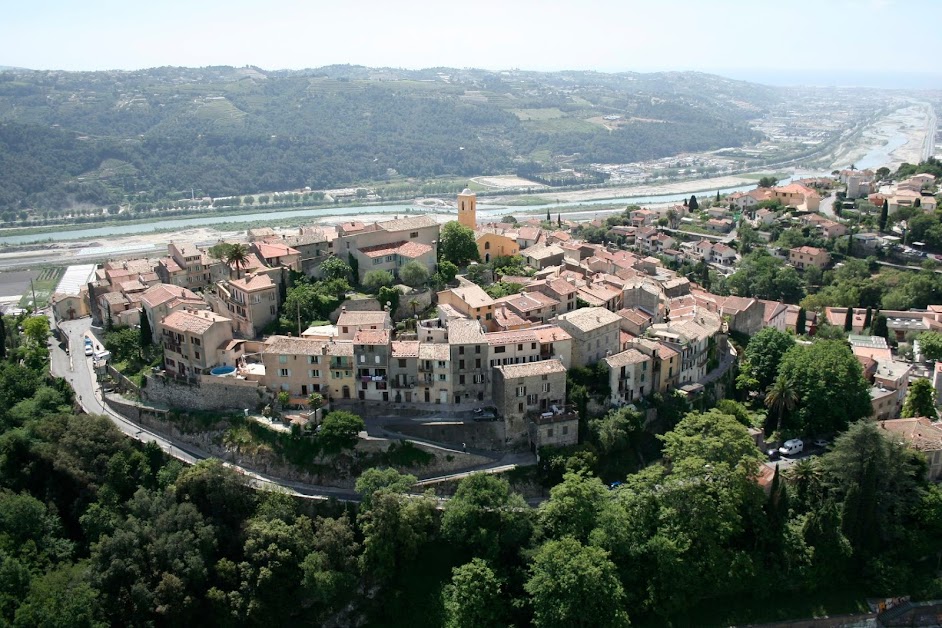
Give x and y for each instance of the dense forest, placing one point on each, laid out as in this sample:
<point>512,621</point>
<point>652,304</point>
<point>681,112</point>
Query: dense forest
<point>96,138</point>
<point>98,530</point>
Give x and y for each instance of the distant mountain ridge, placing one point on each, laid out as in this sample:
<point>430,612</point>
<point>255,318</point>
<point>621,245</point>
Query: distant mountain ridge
<point>94,137</point>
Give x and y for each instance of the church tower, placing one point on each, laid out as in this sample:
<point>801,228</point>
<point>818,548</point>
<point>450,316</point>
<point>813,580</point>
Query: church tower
<point>468,209</point>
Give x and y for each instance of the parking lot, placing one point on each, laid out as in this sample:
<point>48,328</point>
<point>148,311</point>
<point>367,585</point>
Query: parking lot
<point>785,462</point>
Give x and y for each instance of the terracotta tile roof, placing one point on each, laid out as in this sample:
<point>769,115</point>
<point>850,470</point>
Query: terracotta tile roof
<point>497,338</point>
<point>193,321</point>
<point>465,332</point>
<point>550,333</point>
<point>411,250</point>
<point>271,251</point>
<point>434,351</point>
<point>164,293</point>
<point>287,345</point>
<point>407,224</point>
<point>529,233</point>
<point>340,348</point>
<point>251,283</point>
<point>472,294</point>
<point>527,301</point>
<point>114,298</point>
<point>589,318</point>
<point>531,369</point>
<point>504,317</point>
<point>631,356</point>
<point>354,318</point>
<point>919,433</point>
<point>371,337</point>
<point>405,349</point>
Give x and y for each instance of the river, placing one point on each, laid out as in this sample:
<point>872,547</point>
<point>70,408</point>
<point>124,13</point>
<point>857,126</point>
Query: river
<point>484,211</point>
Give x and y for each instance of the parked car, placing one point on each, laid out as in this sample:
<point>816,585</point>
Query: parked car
<point>792,447</point>
<point>773,454</point>
<point>821,442</point>
<point>89,350</point>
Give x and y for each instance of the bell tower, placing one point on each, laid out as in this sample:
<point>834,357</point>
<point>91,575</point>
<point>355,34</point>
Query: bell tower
<point>468,209</point>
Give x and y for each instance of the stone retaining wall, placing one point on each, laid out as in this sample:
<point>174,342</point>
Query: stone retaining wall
<point>206,393</point>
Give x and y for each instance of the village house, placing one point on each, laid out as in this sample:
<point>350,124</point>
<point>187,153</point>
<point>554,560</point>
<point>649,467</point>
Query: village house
<point>470,300</point>
<point>921,434</point>
<point>160,300</point>
<point>350,322</point>
<point>251,302</point>
<point>371,353</point>
<point>298,366</point>
<point>191,341</point>
<point>803,257</point>
<point>535,393</point>
<point>594,331</point>
<point>631,376</point>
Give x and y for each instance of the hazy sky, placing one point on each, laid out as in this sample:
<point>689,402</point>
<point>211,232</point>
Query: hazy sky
<point>711,35</point>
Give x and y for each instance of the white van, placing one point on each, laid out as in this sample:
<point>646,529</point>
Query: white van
<point>792,447</point>
<point>102,356</point>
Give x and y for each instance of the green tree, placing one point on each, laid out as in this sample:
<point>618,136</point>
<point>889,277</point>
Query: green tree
<point>394,527</point>
<point>388,296</point>
<point>767,182</point>
<point>765,277</point>
<point>801,321</point>
<point>220,250</point>
<point>474,598</point>
<point>124,343</point>
<point>447,270</point>
<point>781,399</point>
<point>61,597</point>
<point>36,329</point>
<point>329,579</point>
<point>930,345</point>
<point>573,507</point>
<point>484,516</point>
<point>335,268</point>
<point>373,280</point>
<point>884,215</point>
<point>764,353</point>
<point>920,400</point>
<point>315,401</point>
<point>614,432</point>
<point>879,327</point>
<point>572,584</point>
<point>238,256</point>
<point>713,437</point>
<point>340,430</point>
<point>693,205</point>
<point>829,383</point>
<point>458,244</point>
<point>374,480</point>
<point>413,274</point>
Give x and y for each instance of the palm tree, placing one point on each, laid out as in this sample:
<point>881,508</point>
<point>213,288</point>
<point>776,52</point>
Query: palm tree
<point>237,255</point>
<point>414,304</point>
<point>806,476</point>
<point>781,398</point>
<point>672,218</point>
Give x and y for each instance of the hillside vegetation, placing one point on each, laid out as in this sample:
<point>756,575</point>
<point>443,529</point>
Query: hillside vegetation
<point>93,138</point>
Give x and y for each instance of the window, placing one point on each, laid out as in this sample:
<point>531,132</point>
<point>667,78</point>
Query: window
<point>441,364</point>
<point>500,349</point>
<point>565,430</point>
<point>477,363</point>
<point>441,377</point>
<point>487,246</point>
<point>272,310</point>
<point>519,347</point>
<point>256,298</point>
<point>546,387</point>
<point>460,350</point>
<point>461,364</point>
<point>196,341</point>
<point>532,345</point>
<point>390,258</point>
<point>461,379</point>
<point>477,349</point>
<point>402,364</point>
<point>377,261</point>
<point>313,359</point>
<point>284,372</point>
<point>197,355</point>
<point>315,374</point>
<point>532,400</point>
<point>414,234</point>
<point>549,432</point>
<point>521,391</point>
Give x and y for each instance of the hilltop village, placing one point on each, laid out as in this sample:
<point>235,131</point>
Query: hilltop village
<point>481,322</point>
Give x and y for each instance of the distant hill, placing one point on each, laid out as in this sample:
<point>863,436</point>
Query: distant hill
<point>93,137</point>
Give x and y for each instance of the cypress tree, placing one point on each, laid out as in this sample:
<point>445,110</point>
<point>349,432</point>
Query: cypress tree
<point>884,214</point>
<point>800,322</point>
<point>693,204</point>
<point>146,333</point>
<point>868,317</point>
<point>559,220</point>
<point>717,196</point>
<point>548,217</point>
<point>3,339</point>
<point>879,327</point>
<point>849,319</point>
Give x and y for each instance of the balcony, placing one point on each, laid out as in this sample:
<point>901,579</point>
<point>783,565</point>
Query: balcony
<point>372,378</point>
<point>555,413</point>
